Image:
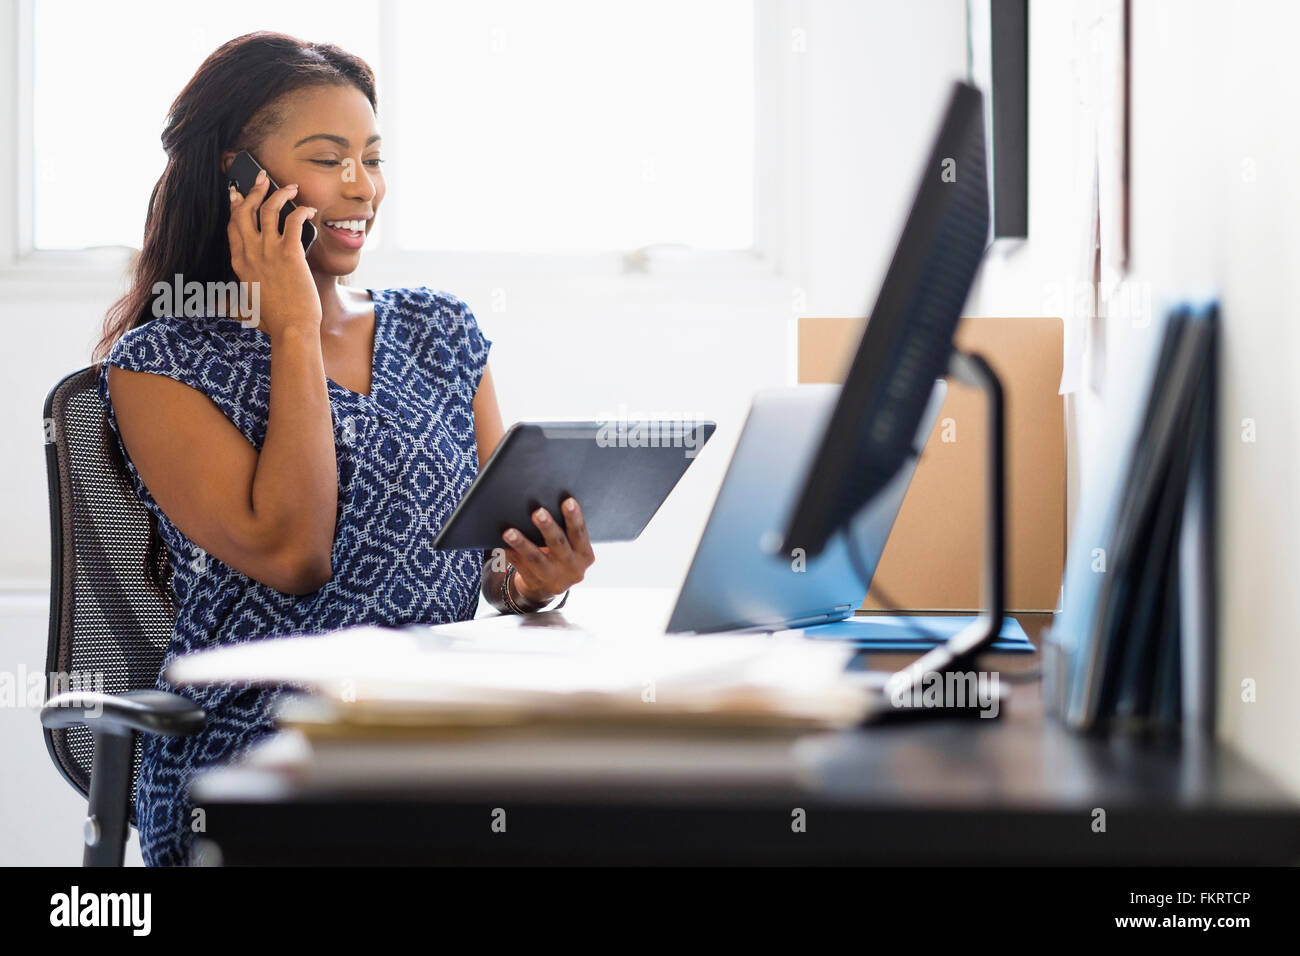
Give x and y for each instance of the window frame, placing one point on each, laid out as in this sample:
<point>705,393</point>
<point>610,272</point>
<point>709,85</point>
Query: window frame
<point>771,268</point>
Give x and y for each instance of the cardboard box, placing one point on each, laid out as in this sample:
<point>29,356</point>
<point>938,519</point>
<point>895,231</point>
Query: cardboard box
<point>933,558</point>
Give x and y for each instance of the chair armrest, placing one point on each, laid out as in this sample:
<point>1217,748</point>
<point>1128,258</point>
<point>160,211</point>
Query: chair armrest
<point>148,711</point>
<point>112,720</point>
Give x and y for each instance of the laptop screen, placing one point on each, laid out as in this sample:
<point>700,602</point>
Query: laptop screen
<point>735,581</point>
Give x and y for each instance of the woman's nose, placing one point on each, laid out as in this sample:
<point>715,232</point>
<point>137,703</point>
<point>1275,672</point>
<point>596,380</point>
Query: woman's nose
<point>357,183</point>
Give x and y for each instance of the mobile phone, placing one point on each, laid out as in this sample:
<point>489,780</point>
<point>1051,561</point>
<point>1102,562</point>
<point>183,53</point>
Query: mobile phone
<point>243,176</point>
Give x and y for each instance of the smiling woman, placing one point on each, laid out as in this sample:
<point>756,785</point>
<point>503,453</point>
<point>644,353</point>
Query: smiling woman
<point>295,468</point>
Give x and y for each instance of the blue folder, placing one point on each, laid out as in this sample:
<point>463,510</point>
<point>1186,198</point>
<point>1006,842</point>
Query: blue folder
<point>908,632</point>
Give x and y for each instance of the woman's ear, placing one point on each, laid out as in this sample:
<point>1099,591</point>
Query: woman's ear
<point>227,158</point>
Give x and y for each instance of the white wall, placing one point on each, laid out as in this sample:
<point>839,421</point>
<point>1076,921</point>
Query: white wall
<point>876,81</point>
<point>1215,202</point>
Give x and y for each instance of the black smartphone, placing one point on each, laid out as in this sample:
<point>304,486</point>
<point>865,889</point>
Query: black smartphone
<point>243,176</point>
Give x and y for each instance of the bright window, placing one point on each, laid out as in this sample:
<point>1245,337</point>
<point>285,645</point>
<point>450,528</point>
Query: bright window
<point>509,126</point>
<point>104,77</point>
<point>576,125</point>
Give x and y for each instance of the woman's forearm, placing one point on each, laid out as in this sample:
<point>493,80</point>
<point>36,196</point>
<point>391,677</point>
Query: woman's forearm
<point>295,485</point>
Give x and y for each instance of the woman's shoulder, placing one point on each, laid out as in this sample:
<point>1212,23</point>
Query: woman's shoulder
<point>166,340</point>
<point>442,328</point>
<point>423,300</point>
<point>433,313</point>
<point>213,355</point>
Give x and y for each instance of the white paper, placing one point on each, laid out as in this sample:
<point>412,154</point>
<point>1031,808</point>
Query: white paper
<point>517,675</point>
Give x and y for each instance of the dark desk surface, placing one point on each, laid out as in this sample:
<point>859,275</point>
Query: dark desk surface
<point>1018,789</point>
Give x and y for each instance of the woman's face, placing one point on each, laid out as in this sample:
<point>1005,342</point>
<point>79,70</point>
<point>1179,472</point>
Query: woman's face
<point>329,145</point>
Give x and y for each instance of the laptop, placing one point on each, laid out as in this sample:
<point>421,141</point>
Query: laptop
<point>736,581</point>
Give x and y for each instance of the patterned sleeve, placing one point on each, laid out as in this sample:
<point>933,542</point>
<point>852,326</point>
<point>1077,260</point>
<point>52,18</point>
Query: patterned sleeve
<point>154,347</point>
<point>466,340</point>
<point>179,349</point>
<point>164,347</point>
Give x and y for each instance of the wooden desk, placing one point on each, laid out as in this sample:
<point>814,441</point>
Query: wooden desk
<point>1018,789</point>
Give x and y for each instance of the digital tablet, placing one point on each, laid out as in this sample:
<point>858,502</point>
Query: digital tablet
<point>619,471</point>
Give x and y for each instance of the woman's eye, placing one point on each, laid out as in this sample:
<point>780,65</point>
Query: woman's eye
<point>335,162</point>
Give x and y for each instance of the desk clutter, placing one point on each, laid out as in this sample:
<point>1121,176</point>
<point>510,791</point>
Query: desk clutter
<point>474,676</point>
<point>1134,645</point>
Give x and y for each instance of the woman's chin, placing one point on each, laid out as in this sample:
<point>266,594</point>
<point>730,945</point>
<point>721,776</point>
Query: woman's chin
<point>337,264</point>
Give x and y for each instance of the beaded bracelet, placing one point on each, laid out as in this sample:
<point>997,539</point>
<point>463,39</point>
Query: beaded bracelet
<point>510,602</point>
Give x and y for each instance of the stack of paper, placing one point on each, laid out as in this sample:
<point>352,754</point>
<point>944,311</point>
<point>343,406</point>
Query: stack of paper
<point>472,677</point>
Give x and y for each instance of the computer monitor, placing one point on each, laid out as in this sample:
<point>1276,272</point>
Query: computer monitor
<point>908,339</point>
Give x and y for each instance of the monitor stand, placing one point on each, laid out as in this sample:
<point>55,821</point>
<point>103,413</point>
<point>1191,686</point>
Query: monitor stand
<point>939,683</point>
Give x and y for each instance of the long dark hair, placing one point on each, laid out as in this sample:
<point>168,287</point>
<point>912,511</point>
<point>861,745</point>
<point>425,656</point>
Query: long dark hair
<point>232,102</point>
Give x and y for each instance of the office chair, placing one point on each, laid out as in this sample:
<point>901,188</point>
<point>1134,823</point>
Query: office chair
<point>105,619</point>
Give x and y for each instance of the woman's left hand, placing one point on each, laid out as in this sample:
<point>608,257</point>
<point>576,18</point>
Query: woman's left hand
<point>542,573</point>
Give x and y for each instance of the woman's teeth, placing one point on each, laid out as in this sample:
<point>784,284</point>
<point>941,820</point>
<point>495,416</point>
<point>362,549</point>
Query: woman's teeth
<point>347,225</point>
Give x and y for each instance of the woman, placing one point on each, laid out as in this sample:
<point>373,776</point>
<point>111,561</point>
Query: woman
<point>296,467</point>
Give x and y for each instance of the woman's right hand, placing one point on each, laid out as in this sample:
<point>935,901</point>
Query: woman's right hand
<point>287,295</point>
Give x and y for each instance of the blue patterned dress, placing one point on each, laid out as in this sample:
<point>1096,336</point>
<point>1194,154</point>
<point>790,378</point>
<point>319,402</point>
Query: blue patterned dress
<point>406,453</point>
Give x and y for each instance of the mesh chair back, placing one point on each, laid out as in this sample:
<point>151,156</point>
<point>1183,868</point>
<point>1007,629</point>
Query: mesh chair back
<point>106,617</point>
